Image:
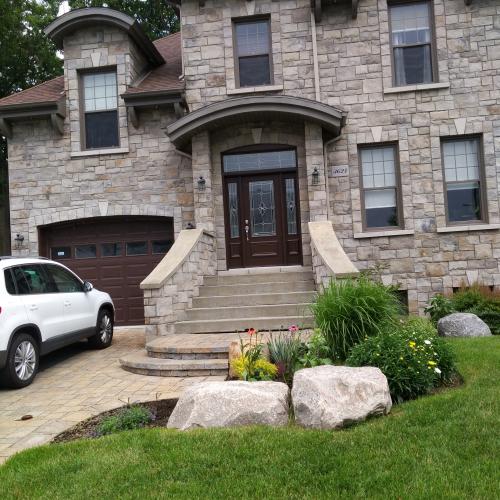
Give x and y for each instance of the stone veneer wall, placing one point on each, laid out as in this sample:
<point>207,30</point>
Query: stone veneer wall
<point>166,304</point>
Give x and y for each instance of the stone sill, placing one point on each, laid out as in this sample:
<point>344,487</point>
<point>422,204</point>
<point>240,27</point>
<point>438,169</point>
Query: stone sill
<point>412,88</point>
<point>98,152</point>
<point>384,234</point>
<point>252,90</point>
<point>471,227</point>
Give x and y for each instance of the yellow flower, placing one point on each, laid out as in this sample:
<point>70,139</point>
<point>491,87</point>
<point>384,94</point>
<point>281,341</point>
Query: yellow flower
<point>431,363</point>
<point>411,344</point>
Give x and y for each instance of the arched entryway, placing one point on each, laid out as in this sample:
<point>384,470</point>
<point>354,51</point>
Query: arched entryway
<point>114,253</point>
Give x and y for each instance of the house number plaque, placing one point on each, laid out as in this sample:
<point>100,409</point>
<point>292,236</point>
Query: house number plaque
<point>340,171</point>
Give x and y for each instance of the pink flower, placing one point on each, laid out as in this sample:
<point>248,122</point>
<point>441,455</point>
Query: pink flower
<point>251,331</point>
<point>293,329</point>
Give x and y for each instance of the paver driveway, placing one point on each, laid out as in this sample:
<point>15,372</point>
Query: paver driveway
<point>74,384</point>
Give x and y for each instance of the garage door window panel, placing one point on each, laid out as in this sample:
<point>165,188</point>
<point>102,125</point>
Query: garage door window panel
<point>111,250</point>
<point>100,105</point>
<point>137,248</point>
<point>161,246</point>
<point>85,251</point>
<point>60,253</point>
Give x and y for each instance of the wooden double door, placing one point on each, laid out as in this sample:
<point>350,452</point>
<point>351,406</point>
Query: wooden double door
<point>262,219</point>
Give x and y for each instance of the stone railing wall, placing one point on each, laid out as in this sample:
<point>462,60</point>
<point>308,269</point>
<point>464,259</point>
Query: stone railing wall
<point>328,257</point>
<point>171,286</point>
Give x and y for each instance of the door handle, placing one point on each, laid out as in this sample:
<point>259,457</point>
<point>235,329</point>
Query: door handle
<point>67,303</point>
<point>33,307</point>
<point>247,228</point>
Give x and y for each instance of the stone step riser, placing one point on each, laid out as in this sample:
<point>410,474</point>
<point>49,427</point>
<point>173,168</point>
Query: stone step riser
<point>256,288</point>
<point>241,325</point>
<point>187,356</point>
<point>254,300</point>
<point>268,311</point>
<point>242,279</point>
<point>176,373</point>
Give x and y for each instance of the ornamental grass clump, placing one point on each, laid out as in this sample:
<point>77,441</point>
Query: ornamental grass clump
<point>412,357</point>
<point>348,310</point>
<point>129,418</point>
<point>284,351</point>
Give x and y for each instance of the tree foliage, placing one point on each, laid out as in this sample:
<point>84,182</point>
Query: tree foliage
<point>156,18</point>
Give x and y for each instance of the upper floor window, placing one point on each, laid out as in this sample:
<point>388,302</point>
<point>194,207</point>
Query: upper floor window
<point>380,187</point>
<point>253,52</point>
<point>463,177</point>
<point>412,43</point>
<point>100,104</point>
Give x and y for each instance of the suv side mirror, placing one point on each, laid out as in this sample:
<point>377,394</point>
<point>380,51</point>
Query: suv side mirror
<point>87,286</point>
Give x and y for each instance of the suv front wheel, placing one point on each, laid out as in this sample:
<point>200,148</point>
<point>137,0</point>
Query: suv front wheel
<point>22,361</point>
<point>104,330</point>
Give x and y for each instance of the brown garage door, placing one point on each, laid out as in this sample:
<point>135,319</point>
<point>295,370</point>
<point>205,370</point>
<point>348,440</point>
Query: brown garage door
<point>114,253</point>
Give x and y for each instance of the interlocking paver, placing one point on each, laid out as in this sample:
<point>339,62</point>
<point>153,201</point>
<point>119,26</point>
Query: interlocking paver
<point>76,383</point>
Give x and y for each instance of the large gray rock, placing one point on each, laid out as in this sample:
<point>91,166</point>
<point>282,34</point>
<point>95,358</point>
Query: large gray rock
<point>463,325</point>
<point>230,404</point>
<point>329,397</point>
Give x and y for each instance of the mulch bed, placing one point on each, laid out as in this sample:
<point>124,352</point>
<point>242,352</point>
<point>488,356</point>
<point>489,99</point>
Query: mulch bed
<point>88,429</point>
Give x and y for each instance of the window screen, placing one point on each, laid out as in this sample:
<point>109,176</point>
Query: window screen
<point>100,105</point>
<point>412,41</point>
<point>380,187</point>
<point>462,173</point>
<point>253,52</point>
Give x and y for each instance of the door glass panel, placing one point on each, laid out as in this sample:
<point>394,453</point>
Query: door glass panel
<point>86,252</point>
<point>137,248</point>
<point>111,249</point>
<point>291,206</point>
<point>234,226</point>
<point>262,208</point>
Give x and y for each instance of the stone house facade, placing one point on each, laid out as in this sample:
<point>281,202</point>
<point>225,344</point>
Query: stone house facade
<point>380,117</point>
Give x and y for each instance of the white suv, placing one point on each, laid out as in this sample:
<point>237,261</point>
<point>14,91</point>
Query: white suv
<point>45,306</point>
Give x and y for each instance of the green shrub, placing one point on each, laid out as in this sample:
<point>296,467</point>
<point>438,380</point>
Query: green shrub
<point>477,300</point>
<point>349,310</point>
<point>412,357</point>
<point>131,417</point>
<point>315,352</point>
<point>253,371</point>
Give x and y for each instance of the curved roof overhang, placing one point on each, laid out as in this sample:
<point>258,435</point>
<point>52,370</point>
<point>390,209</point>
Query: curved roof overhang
<point>255,108</point>
<point>80,18</point>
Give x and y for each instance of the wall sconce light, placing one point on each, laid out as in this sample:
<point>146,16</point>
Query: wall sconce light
<point>190,225</point>
<point>315,176</point>
<point>19,239</point>
<point>201,184</point>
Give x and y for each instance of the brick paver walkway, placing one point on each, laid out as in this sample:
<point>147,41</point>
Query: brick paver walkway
<point>74,384</point>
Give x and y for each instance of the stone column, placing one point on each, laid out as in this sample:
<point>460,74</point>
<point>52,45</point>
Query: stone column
<point>318,196</point>
<point>204,210</point>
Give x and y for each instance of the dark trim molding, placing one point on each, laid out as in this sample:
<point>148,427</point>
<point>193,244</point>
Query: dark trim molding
<point>91,16</point>
<point>243,109</point>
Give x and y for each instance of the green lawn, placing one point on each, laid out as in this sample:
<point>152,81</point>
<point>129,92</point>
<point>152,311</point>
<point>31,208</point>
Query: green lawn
<point>442,446</point>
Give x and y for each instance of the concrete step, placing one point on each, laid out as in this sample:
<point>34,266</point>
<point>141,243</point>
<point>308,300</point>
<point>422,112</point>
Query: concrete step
<point>243,324</point>
<point>256,288</point>
<point>244,311</point>
<point>169,348</point>
<point>255,299</point>
<point>142,364</point>
<point>271,277</point>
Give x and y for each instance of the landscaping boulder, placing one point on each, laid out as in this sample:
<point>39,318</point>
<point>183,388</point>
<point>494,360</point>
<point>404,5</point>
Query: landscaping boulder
<point>330,397</point>
<point>463,325</point>
<point>230,404</point>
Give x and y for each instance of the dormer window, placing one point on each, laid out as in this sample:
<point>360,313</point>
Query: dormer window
<point>252,43</point>
<point>100,105</point>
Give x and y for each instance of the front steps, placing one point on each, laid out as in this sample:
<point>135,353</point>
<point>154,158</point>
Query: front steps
<point>231,302</point>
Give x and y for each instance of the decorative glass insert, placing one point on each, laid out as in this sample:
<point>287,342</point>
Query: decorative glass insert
<point>234,225</point>
<point>161,246</point>
<point>411,36</point>
<point>269,160</point>
<point>253,47</point>
<point>85,251</point>
<point>291,206</point>
<point>111,249</point>
<point>137,248</point>
<point>262,208</point>
<point>462,177</point>
<point>100,91</point>
<point>379,186</point>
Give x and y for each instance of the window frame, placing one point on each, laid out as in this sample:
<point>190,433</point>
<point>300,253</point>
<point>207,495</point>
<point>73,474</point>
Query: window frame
<point>83,113</point>
<point>236,57</point>
<point>399,194</point>
<point>483,202</point>
<point>433,43</point>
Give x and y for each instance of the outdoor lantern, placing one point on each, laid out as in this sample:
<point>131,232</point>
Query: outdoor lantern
<point>19,240</point>
<point>315,176</point>
<point>201,184</point>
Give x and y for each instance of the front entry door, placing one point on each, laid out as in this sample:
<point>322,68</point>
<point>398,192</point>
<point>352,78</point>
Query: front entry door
<point>262,220</point>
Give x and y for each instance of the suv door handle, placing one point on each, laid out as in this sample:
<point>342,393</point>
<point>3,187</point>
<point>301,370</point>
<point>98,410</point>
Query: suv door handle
<point>33,307</point>
<point>67,303</point>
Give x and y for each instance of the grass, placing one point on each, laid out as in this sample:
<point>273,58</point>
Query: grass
<point>441,446</point>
